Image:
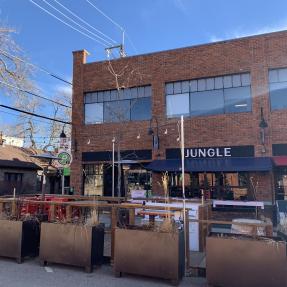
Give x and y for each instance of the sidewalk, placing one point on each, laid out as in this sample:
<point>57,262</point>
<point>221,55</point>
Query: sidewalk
<point>31,274</point>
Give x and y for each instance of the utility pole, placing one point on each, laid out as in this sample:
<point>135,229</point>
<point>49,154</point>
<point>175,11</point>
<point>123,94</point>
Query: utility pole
<point>120,48</point>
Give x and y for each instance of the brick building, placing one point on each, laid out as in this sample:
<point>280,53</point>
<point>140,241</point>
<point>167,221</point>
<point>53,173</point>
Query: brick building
<point>233,95</point>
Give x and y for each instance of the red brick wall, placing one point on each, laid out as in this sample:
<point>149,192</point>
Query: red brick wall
<point>254,54</point>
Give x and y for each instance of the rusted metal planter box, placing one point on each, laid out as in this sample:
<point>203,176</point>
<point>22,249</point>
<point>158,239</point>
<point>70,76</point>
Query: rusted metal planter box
<point>71,244</point>
<point>149,253</point>
<point>19,239</point>
<point>240,262</point>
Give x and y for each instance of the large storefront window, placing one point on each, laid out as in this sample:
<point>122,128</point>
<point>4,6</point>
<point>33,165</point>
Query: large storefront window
<point>218,185</point>
<point>138,179</point>
<point>93,179</point>
<point>281,183</point>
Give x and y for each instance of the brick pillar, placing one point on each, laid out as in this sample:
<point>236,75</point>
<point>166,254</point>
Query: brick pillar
<point>263,184</point>
<point>79,60</point>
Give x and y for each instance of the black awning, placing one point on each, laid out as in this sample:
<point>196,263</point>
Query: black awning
<point>164,165</point>
<point>214,164</point>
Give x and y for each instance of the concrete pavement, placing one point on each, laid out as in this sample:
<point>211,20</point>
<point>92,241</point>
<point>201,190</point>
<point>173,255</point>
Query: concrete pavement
<point>31,274</point>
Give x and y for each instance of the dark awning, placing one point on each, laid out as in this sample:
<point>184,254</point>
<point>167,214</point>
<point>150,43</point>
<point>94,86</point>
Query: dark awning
<point>214,164</point>
<point>280,160</point>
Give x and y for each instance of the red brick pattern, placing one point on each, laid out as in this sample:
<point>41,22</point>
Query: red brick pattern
<point>253,54</point>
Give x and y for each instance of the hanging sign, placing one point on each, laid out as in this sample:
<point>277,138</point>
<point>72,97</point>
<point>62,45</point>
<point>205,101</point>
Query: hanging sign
<point>64,158</point>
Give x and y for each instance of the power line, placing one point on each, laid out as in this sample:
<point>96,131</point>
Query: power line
<point>35,115</point>
<point>115,23</point>
<point>26,117</point>
<point>67,24</point>
<point>85,22</point>
<point>35,95</point>
<point>131,42</point>
<point>36,66</point>
<point>81,26</point>
<point>106,16</point>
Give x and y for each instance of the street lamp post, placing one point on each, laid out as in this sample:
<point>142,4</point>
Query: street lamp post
<point>183,184</point>
<point>48,158</point>
<point>63,139</point>
<point>113,168</point>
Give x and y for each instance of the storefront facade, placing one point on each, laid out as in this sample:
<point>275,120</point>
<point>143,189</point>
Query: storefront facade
<point>233,95</point>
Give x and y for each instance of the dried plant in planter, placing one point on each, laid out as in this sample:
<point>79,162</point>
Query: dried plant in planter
<point>93,218</point>
<point>168,224</point>
<point>29,217</point>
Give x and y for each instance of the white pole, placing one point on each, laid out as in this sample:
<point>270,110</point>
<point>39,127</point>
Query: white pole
<point>183,184</point>
<point>14,192</point>
<point>113,169</point>
<point>182,156</point>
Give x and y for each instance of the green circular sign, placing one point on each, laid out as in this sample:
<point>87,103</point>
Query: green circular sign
<point>64,158</point>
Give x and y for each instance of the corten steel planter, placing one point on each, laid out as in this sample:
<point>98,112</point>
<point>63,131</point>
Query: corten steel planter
<point>149,253</point>
<point>19,239</point>
<point>71,244</point>
<point>244,262</point>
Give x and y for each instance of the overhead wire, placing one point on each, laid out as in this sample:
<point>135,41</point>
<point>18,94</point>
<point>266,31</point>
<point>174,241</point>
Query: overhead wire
<point>67,24</point>
<point>79,25</point>
<point>106,16</point>
<point>131,42</point>
<point>35,66</point>
<point>26,117</point>
<point>34,114</point>
<point>115,23</point>
<point>85,22</point>
<point>34,94</point>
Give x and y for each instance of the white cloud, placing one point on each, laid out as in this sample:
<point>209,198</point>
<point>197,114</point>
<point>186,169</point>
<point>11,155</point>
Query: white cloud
<point>240,32</point>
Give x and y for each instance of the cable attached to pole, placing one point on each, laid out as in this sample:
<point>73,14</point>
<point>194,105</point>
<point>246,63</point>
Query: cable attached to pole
<point>35,115</point>
<point>35,95</point>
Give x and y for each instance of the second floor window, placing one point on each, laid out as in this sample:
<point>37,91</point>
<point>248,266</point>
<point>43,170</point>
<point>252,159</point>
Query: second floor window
<point>278,88</point>
<point>217,95</point>
<point>130,104</point>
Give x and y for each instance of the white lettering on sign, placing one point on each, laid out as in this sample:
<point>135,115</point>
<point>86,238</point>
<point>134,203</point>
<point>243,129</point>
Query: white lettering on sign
<point>227,151</point>
<point>208,152</point>
<point>201,152</point>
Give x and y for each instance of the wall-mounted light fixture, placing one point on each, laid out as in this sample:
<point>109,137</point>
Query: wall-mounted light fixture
<point>263,125</point>
<point>153,131</point>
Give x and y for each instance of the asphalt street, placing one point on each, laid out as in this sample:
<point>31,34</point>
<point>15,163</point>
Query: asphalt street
<point>31,274</point>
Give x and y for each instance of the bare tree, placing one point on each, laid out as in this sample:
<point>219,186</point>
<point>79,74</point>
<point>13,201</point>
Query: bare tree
<point>122,80</point>
<point>16,76</point>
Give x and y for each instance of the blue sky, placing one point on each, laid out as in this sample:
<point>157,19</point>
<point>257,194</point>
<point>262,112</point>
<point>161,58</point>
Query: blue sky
<point>152,25</point>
